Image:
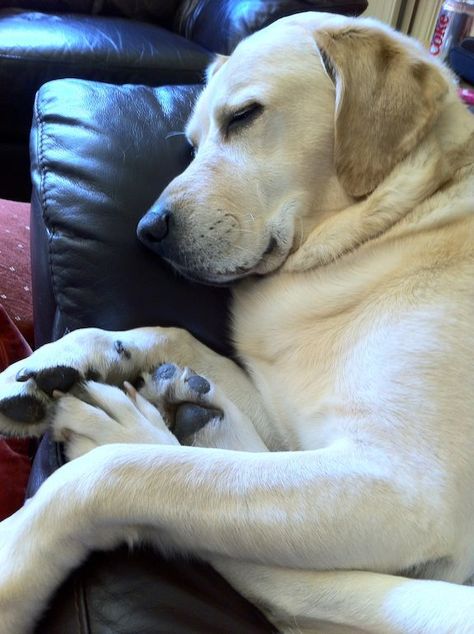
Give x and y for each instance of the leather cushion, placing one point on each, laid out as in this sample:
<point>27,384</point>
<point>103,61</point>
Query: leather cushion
<point>124,593</point>
<point>101,155</point>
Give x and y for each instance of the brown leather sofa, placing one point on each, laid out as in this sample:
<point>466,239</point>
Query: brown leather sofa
<point>101,154</point>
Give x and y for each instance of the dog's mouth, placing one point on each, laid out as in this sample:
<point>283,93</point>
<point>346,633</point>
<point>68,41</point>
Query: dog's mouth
<point>272,245</point>
<point>226,278</point>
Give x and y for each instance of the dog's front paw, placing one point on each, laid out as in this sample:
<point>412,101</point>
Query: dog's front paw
<point>188,402</point>
<point>26,387</point>
<point>197,411</point>
<point>97,414</point>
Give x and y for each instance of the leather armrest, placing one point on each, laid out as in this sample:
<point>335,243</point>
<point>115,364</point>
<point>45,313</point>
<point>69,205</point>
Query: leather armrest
<point>219,25</point>
<point>101,155</point>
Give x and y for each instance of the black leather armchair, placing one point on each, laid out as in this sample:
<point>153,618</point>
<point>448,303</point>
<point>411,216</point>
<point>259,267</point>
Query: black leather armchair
<point>117,41</point>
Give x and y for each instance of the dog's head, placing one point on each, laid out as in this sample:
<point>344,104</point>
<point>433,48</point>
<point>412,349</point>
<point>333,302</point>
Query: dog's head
<point>304,117</point>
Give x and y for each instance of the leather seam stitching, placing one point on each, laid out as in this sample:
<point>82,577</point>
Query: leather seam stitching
<point>42,167</point>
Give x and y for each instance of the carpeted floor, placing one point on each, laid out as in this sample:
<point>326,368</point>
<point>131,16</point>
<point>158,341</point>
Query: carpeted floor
<point>15,272</point>
<point>16,336</point>
<point>15,453</point>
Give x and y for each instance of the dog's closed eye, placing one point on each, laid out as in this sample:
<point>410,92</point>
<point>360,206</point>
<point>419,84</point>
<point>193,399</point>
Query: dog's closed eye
<point>242,117</point>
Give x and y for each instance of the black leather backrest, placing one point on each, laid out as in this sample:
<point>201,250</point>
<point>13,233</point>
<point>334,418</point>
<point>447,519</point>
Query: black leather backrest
<point>219,25</point>
<point>101,155</point>
<point>153,10</point>
<point>38,47</point>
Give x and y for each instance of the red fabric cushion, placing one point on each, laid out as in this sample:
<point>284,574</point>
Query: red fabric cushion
<point>15,453</point>
<point>15,272</point>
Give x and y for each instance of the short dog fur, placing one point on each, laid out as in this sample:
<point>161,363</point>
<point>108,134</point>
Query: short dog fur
<point>333,183</point>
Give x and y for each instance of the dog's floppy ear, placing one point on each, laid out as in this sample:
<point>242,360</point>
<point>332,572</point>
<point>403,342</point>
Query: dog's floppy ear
<point>387,97</point>
<point>218,61</point>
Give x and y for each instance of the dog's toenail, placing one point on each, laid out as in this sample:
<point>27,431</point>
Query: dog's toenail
<point>24,374</point>
<point>166,371</point>
<point>199,384</point>
<point>121,350</point>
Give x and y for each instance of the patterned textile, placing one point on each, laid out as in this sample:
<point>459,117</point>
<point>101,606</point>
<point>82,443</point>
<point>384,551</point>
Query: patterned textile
<point>15,273</point>
<point>15,453</point>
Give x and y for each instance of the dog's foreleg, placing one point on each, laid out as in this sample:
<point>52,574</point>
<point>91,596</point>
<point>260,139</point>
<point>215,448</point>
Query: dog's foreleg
<point>352,601</point>
<point>46,539</point>
<point>339,507</point>
<point>332,508</point>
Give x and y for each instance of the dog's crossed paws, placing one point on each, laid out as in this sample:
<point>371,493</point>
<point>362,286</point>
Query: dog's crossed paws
<point>69,384</point>
<point>172,405</point>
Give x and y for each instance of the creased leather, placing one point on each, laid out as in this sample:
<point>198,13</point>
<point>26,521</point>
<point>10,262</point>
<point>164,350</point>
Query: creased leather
<point>38,47</point>
<point>138,9</point>
<point>219,25</point>
<point>101,155</point>
<point>142,593</point>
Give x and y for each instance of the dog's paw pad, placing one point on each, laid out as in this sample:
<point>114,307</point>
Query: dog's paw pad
<point>190,418</point>
<point>165,372</point>
<point>24,408</point>
<point>61,378</point>
<point>198,384</point>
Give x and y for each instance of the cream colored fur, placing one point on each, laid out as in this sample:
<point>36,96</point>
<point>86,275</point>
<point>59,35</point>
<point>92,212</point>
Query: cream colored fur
<point>341,475</point>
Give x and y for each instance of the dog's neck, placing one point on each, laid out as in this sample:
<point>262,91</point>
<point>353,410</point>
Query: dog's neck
<point>430,166</point>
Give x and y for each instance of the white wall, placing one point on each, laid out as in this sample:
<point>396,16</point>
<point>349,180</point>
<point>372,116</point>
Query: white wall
<point>416,17</point>
<point>385,10</point>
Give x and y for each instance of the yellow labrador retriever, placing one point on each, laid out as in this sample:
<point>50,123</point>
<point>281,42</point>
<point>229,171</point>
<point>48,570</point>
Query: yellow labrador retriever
<point>334,176</point>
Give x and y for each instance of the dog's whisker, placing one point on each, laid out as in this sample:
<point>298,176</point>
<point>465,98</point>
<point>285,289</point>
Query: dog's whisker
<point>174,133</point>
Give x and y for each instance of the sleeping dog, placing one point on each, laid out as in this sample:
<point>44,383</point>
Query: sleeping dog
<point>333,185</point>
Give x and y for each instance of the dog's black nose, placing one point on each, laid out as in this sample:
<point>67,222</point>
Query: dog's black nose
<point>155,225</point>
